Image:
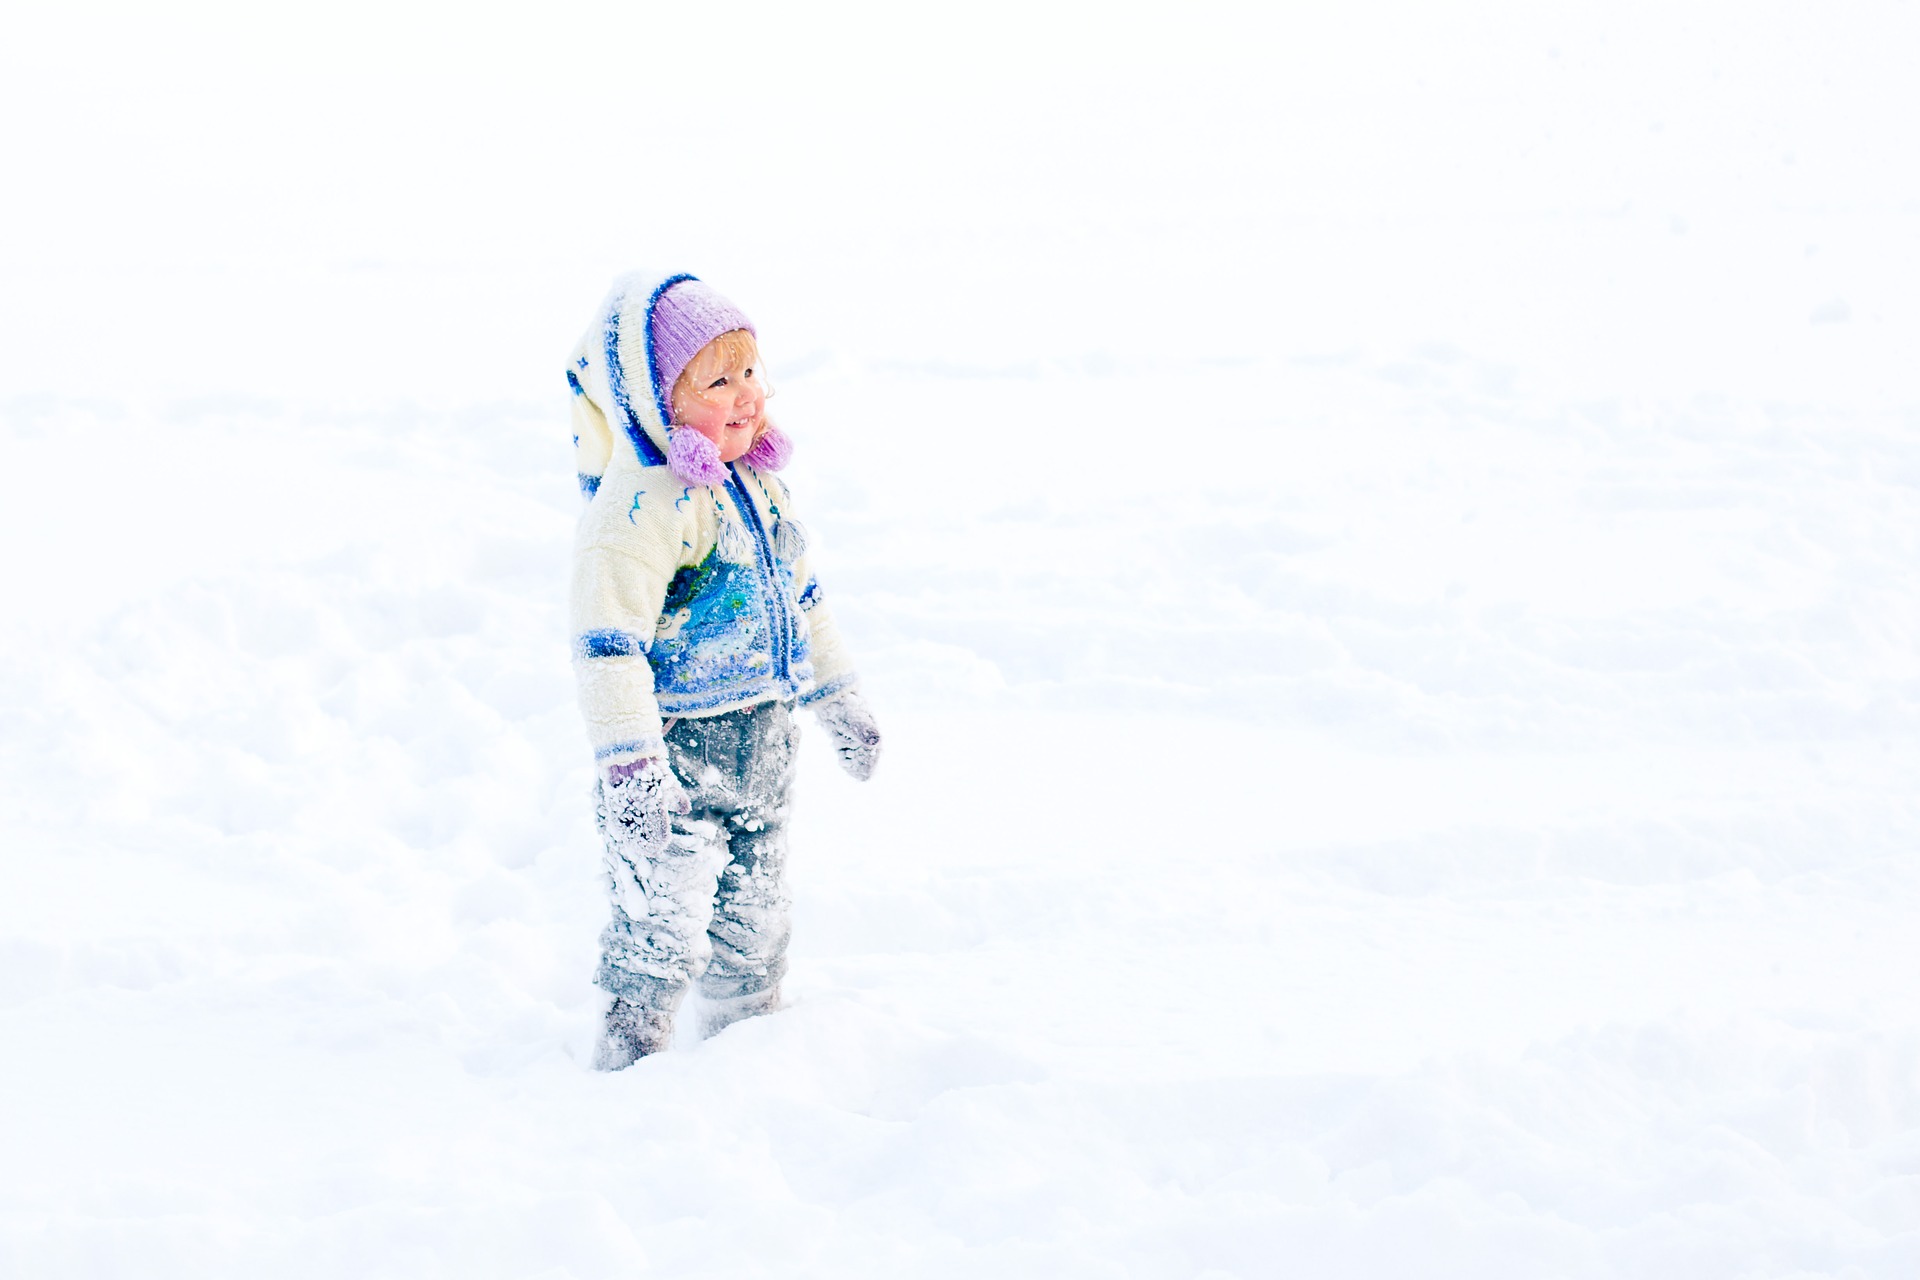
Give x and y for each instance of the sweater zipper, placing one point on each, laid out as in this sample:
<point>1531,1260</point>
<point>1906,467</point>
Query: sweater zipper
<point>769,571</point>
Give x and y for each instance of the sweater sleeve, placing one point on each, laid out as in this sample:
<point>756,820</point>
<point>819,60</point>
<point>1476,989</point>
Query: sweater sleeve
<point>629,545</point>
<point>832,664</point>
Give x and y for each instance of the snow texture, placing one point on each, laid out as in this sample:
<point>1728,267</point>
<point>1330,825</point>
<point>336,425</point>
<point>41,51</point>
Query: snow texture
<point>1382,539</point>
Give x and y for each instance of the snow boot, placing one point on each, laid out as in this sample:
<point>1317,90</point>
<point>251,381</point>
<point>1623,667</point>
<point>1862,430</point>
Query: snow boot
<point>717,1015</point>
<point>631,1033</point>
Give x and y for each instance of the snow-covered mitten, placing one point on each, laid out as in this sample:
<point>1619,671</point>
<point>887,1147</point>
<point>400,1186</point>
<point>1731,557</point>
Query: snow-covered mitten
<point>656,780</point>
<point>856,737</point>
<point>635,804</point>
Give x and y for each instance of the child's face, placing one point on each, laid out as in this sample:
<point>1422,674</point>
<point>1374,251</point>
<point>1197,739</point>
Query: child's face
<point>722,395</point>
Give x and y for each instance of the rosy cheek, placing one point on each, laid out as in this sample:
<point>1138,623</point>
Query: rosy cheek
<point>711,430</point>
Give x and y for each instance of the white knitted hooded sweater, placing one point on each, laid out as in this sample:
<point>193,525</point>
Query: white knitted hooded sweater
<point>687,600</point>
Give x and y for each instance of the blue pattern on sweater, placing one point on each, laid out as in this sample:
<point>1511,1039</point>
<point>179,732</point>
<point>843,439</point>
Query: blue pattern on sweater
<point>719,639</point>
<point>610,643</point>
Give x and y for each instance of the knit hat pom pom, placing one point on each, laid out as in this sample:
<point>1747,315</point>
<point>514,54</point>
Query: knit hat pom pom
<point>693,457</point>
<point>772,451</point>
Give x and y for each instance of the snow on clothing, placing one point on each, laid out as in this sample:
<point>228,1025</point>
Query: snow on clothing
<point>687,599</point>
<point>708,902</point>
<point>692,600</point>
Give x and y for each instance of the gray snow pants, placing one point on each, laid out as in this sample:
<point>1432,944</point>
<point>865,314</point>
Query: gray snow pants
<point>713,907</point>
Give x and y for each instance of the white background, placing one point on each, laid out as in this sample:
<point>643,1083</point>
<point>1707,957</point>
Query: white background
<point>1382,539</point>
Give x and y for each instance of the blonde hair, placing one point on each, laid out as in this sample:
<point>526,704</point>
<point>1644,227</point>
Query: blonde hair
<point>733,345</point>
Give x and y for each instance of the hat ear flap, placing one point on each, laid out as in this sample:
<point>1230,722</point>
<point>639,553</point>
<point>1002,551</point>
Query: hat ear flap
<point>693,457</point>
<point>772,450</point>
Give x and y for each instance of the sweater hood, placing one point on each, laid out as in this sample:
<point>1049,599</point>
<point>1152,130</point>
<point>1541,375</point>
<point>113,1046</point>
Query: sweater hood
<point>613,366</point>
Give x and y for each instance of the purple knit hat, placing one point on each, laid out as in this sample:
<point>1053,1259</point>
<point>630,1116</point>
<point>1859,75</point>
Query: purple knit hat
<point>686,317</point>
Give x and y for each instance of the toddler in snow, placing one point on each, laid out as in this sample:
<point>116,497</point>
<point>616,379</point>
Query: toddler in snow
<point>698,628</point>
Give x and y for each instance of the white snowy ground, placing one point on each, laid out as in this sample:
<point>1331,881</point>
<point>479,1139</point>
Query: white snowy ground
<point>1384,549</point>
